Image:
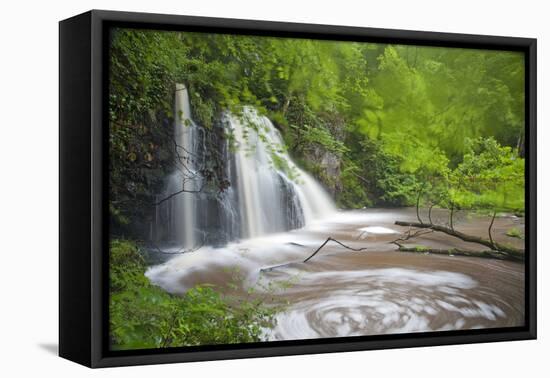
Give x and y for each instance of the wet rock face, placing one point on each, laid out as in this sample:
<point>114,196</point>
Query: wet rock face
<point>331,165</point>
<point>329,168</point>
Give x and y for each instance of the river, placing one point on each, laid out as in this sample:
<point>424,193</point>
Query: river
<point>340,292</point>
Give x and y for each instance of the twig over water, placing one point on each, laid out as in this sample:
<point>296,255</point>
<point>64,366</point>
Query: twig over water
<point>336,241</point>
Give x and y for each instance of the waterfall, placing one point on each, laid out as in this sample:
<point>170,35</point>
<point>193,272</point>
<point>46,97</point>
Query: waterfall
<point>268,192</point>
<point>274,194</point>
<point>183,212</point>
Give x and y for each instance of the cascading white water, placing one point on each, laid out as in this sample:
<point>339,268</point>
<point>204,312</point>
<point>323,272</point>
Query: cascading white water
<point>268,193</point>
<point>266,174</point>
<point>184,178</point>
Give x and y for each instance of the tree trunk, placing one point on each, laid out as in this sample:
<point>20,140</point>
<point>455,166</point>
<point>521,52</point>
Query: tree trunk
<point>451,216</point>
<point>522,149</point>
<point>286,105</point>
<point>430,213</point>
<point>379,124</point>
<point>418,206</point>
<point>491,226</point>
<point>514,252</point>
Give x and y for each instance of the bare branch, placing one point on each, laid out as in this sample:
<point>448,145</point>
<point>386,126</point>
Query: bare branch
<point>336,241</point>
<point>183,190</point>
<point>329,239</point>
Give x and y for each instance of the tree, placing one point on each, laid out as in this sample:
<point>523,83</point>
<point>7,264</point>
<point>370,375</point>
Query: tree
<point>490,177</point>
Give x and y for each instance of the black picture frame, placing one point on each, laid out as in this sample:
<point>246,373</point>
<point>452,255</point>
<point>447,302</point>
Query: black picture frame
<point>83,228</point>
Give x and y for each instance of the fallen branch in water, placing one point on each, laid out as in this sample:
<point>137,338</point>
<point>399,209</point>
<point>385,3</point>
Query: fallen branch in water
<point>179,251</point>
<point>313,254</point>
<point>336,241</point>
<point>457,252</point>
<point>496,250</point>
<point>296,244</point>
<point>410,234</point>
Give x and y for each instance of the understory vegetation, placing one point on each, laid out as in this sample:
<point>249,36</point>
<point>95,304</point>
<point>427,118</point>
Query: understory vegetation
<point>145,316</point>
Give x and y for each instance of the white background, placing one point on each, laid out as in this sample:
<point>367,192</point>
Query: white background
<point>29,188</point>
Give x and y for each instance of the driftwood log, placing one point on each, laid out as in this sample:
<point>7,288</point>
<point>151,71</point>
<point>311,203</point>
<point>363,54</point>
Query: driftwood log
<point>496,250</point>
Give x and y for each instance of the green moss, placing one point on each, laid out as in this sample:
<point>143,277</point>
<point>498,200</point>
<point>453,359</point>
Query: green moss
<point>515,233</point>
<point>421,248</point>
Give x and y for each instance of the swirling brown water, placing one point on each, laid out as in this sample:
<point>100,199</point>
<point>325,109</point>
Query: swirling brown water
<point>378,291</point>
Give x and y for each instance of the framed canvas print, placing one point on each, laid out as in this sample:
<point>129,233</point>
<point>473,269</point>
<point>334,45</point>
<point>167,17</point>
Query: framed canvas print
<point>233,188</point>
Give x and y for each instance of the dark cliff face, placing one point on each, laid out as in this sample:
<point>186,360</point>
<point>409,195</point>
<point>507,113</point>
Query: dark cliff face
<point>139,158</point>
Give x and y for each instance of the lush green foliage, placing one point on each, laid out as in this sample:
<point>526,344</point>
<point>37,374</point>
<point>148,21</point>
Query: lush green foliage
<point>145,316</point>
<point>490,176</point>
<point>397,124</point>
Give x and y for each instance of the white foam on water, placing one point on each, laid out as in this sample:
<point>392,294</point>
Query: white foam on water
<point>247,258</point>
<point>378,230</point>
